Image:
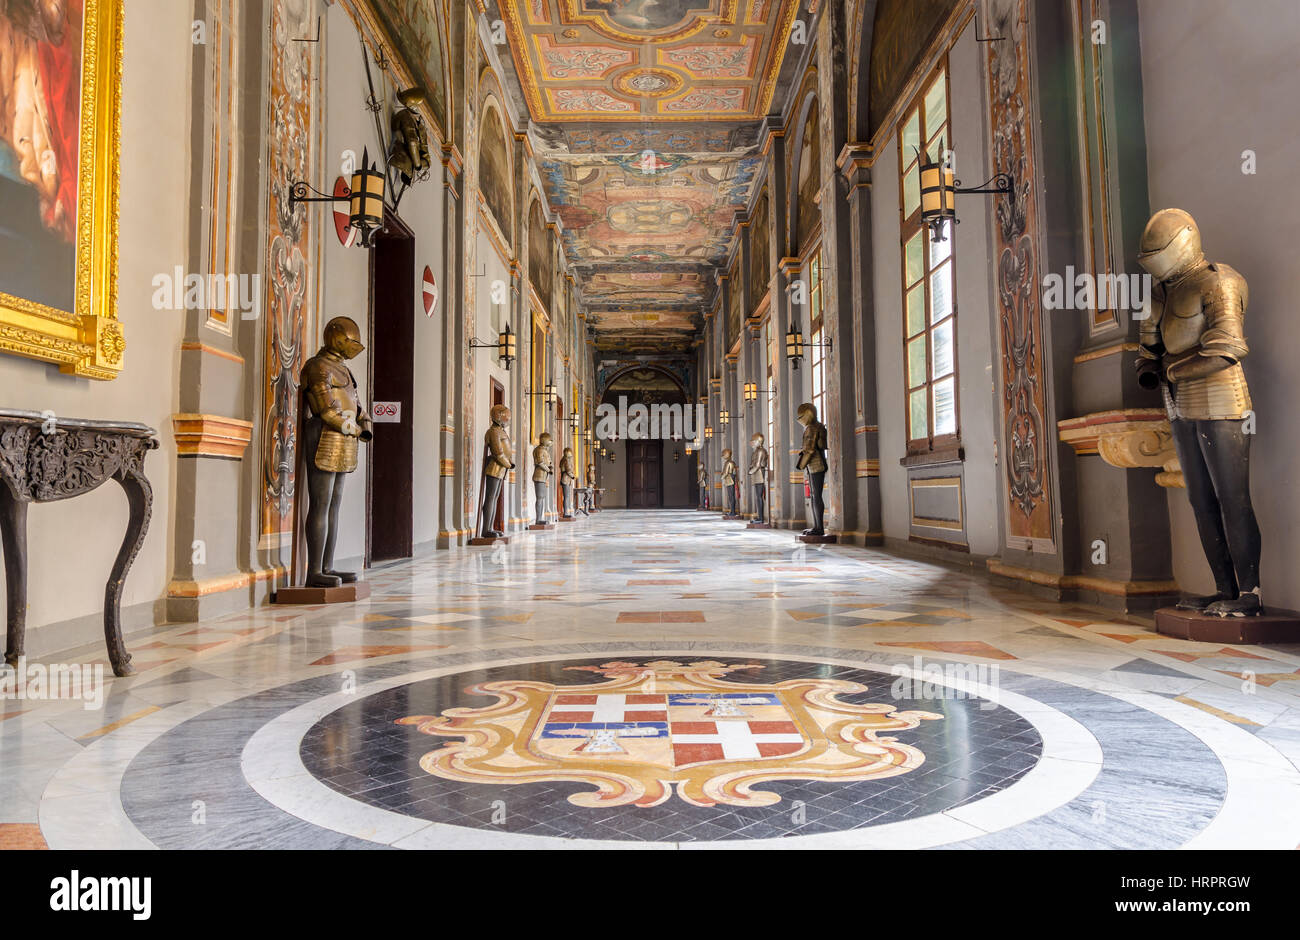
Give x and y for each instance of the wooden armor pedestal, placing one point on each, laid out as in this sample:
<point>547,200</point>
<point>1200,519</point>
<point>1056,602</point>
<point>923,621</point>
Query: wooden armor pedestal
<point>1274,625</point>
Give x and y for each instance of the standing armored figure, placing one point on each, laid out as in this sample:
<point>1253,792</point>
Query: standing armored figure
<point>591,484</point>
<point>335,422</point>
<point>730,473</point>
<point>500,461</point>
<point>568,477</point>
<point>542,470</point>
<point>758,477</point>
<point>1191,347</point>
<point>702,480</point>
<point>812,461</point>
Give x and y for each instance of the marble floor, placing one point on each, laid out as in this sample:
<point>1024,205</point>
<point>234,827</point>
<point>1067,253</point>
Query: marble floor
<point>665,680</point>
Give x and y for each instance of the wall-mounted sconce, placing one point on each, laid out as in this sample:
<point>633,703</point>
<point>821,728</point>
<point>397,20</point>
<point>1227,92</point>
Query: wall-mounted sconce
<point>689,448</point>
<point>365,198</point>
<point>547,394</point>
<point>939,190</point>
<point>708,433</point>
<point>752,391</point>
<point>795,345</point>
<point>611,457</point>
<point>506,347</point>
<point>587,436</point>
<point>677,455</point>
<point>575,420</point>
<point>724,417</point>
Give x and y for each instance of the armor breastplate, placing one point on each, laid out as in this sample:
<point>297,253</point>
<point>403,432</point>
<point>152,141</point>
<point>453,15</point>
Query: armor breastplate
<point>331,387</point>
<point>541,463</point>
<point>1205,312</point>
<point>1182,318</point>
<point>729,473</point>
<point>814,447</point>
<point>498,442</point>
<point>758,465</point>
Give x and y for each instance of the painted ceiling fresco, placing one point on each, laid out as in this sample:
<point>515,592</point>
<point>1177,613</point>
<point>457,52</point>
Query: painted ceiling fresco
<point>636,332</point>
<point>645,122</point>
<point>650,60</point>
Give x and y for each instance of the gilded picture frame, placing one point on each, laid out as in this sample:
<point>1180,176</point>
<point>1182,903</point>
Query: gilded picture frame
<point>86,339</point>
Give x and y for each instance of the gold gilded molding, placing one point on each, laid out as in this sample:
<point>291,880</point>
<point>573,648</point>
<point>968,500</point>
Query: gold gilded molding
<point>87,341</point>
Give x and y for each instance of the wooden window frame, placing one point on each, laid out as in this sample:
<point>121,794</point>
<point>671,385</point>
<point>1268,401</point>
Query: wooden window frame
<point>930,447</point>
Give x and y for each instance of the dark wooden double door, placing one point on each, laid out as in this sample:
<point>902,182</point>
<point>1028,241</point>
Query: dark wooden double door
<point>645,474</point>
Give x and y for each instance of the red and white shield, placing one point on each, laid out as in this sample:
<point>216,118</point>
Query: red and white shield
<point>430,292</point>
<point>342,222</point>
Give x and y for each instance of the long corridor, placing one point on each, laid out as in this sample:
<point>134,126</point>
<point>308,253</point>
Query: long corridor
<point>666,679</point>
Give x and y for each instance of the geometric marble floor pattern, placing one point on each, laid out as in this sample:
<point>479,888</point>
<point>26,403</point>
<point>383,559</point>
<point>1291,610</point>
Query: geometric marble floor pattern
<point>658,680</point>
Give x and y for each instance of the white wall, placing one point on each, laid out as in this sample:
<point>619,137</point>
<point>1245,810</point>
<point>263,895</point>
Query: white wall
<point>72,544</point>
<point>1218,79</point>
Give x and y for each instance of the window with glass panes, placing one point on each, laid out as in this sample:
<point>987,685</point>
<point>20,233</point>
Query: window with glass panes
<point>929,304</point>
<point>817,336</point>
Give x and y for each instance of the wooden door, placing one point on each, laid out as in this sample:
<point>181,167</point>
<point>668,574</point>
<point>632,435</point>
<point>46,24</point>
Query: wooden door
<point>390,516</point>
<point>645,474</point>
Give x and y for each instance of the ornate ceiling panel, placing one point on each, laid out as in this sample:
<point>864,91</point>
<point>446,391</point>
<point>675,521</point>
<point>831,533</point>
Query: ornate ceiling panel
<point>648,60</point>
<point>648,209</point>
<point>645,118</point>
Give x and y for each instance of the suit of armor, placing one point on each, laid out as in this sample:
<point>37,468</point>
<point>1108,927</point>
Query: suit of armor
<point>702,480</point>
<point>758,477</point>
<point>812,461</point>
<point>729,474</point>
<point>1191,346</point>
<point>409,150</point>
<point>568,477</point>
<point>335,421</point>
<point>591,485</point>
<point>542,471</point>
<point>500,460</point>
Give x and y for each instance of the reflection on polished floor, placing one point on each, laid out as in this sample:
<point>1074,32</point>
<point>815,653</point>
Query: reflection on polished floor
<point>664,679</point>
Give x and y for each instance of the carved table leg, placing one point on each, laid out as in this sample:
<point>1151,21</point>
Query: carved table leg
<point>139,495</point>
<point>13,538</point>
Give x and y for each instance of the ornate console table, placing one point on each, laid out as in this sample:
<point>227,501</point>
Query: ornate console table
<point>42,459</point>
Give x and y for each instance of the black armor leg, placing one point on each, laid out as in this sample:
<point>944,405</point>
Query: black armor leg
<point>1226,448</point>
<point>1205,502</point>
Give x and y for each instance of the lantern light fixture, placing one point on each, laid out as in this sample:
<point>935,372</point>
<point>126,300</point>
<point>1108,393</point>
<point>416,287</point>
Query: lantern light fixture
<point>939,188</point>
<point>724,417</point>
<point>365,199</point>
<point>507,346</point>
<point>708,433</point>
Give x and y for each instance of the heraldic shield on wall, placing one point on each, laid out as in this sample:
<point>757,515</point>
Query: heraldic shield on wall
<point>655,726</point>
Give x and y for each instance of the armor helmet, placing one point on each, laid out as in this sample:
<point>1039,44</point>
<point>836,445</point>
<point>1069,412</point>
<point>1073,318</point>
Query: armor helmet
<point>343,336</point>
<point>568,451</point>
<point>1171,244</point>
<point>545,438</point>
<point>726,454</point>
<point>807,413</point>
<point>412,97</point>
<point>500,414</point>
<point>756,440</point>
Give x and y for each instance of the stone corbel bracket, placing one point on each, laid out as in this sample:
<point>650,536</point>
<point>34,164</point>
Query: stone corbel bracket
<point>1133,437</point>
